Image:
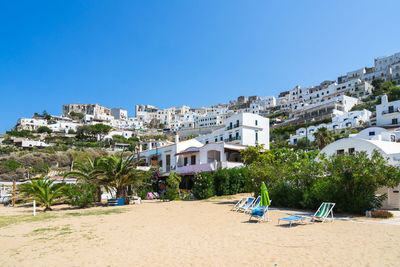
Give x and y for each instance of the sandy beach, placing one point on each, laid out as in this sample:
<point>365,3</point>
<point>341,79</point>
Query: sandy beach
<point>190,233</point>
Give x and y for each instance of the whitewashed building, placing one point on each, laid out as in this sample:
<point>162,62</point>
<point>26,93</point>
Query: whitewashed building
<point>219,149</point>
<point>388,113</point>
<point>346,120</point>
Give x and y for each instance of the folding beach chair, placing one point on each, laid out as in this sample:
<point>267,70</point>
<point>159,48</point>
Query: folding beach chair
<point>255,205</point>
<point>247,205</point>
<point>323,212</point>
<point>240,203</point>
<point>260,217</point>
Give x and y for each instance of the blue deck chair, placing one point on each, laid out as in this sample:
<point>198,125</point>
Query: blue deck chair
<point>240,203</point>
<point>255,205</point>
<point>259,213</point>
<point>247,205</point>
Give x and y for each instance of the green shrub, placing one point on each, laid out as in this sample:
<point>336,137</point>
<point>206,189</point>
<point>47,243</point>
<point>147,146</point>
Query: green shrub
<point>142,191</point>
<point>296,179</point>
<point>81,195</point>
<point>203,185</point>
<point>173,182</point>
<point>10,164</point>
<point>238,180</point>
<point>285,194</point>
<point>381,214</point>
<point>221,182</point>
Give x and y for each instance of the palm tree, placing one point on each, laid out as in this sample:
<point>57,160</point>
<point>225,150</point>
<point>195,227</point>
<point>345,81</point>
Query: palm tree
<point>323,137</point>
<point>87,172</point>
<point>44,190</point>
<point>117,173</point>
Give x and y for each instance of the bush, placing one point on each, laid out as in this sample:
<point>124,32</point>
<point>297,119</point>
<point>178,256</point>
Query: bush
<point>203,185</point>
<point>285,194</point>
<point>295,179</point>
<point>173,182</point>
<point>81,195</point>
<point>142,191</point>
<point>44,129</point>
<point>381,214</point>
<point>230,181</point>
<point>221,182</point>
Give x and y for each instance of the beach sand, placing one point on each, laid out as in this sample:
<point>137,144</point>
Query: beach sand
<point>191,233</point>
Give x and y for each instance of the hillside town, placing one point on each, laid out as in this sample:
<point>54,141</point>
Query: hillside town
<point>362,105</point>
<point>339,104</point>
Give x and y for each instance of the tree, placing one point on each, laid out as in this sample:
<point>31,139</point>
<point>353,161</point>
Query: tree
<point>355,178</point>
<point>44,129</point>
<point>93,132</point>
<point>44,190</point>
<point>117,173</point>
<point>88,173</point>
<point>173,182</point>
<point>323,137</point>
<point>100,130</point>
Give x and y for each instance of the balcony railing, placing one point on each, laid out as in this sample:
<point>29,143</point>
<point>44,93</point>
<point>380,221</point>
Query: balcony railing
<point>391,111</point>
<point>232,139</point>
<point>236,125</point>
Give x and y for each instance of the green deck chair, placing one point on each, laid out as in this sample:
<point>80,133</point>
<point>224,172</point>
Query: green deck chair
<point>324,211</point>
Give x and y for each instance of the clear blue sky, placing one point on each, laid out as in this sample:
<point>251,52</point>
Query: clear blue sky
<point>165,53</point>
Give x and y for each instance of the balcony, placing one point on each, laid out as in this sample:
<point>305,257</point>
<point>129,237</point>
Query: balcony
<point>390,112</point>
<point>236,125</point>
<point>232,139</point>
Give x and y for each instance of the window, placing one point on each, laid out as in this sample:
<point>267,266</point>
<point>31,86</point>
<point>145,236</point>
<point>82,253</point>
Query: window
<point>193,160</point>
<point>371,133</point>
<point>340,152</point>
<point>351,150</point>
<point>394,121</point>
<point>256,136</point>
<point>256,122</point>
<point>185,161</point>
<point>216,140</point>
<point>391,109</point>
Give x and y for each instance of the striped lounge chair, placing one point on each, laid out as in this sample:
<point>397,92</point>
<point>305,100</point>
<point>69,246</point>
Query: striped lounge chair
<point>324,211</point>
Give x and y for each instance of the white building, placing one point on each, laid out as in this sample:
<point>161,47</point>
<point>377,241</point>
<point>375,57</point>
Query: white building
<point>30,124</point>
<point>210,152</point>
<point>346,120</point>
<point>388,113</point>
<point>64,126</point>
<point>119,114</point>
<point>26,144</point>
<point>244,128</point>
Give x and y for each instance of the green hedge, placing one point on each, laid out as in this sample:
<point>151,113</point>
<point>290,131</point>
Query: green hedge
<point>222,182</point>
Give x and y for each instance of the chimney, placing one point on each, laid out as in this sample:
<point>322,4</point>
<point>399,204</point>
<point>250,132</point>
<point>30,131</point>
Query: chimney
<point>384,99</point>
<point>176,138</point>
<point>149,145</point>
